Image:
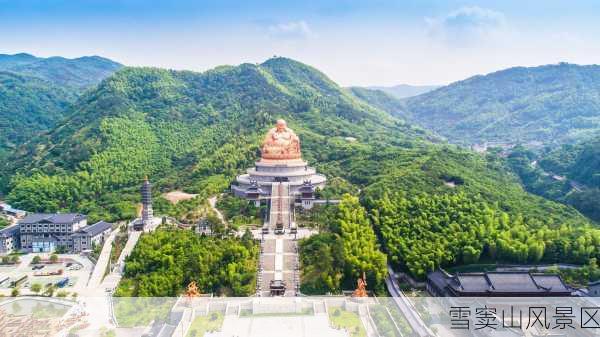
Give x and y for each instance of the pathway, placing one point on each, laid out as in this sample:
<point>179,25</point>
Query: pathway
<point>112,280</point>
<point>212,201</point>
<point>103,261</point>
<point>278,261</point>
<point>279,212</point>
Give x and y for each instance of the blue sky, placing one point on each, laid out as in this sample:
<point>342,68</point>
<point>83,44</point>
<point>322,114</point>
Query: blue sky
<point>354,42</point>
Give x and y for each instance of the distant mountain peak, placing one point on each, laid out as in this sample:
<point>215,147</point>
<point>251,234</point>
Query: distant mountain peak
<point>401,91</point>
<point>552,103</point>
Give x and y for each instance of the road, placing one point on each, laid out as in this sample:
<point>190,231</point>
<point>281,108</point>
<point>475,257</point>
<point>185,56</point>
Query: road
<point>112,280</point>
<point>103,261</point>
<point>577,186</point>
<point>212,201</point>
<point>407,309</point>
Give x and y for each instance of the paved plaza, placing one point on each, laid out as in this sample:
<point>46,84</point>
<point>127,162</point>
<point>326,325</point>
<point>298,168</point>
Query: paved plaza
<point>277,326</point>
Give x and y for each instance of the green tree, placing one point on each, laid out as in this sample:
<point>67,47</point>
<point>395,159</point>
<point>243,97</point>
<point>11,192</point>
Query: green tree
<point>49,291</point>
<point>36,288</point>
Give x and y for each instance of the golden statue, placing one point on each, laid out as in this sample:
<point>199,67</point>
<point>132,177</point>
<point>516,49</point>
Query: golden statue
<point>361,289</point>
<point>192,290</point>
<point>281,143</point>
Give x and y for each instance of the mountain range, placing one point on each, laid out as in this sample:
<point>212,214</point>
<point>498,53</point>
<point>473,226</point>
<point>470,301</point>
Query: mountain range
<point>196,131</point>
<point>551,105</point>
<point>432,203</point>
<point>36,92</point>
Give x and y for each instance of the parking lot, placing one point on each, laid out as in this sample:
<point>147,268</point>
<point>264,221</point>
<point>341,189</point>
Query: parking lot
<point>70,273</point>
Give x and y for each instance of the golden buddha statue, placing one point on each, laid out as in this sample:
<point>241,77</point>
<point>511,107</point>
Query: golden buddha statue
<point>361,288</point>
<point>281,143</point>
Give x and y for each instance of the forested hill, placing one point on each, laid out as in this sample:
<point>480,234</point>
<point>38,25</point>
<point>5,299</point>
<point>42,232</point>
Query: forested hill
<point>185,129</point>
<point>36,92</point>
<point>548,104</point>
<point>580,162</point>
<point>569,173</point>
<point>381,100</point>
<point>197,131</point>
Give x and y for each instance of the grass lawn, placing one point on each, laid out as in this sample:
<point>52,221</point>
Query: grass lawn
<point>342,319</point>
<point>204,324</point>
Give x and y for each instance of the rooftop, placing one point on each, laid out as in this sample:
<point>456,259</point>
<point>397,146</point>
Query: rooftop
<point>96,228</point>
<point>9,230</point>
<point>56,218</point>
<point>499,283</point>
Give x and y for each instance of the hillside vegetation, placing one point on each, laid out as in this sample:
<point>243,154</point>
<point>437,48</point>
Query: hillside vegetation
<point>163,263</point>
<point>185,130</point>
<point>35,93</point>
<point>569,174</point>
<point>196,131</point>
<point>77,74</point>
<point>546,104</point>
<point>28,105</point>
<point>336,258</point>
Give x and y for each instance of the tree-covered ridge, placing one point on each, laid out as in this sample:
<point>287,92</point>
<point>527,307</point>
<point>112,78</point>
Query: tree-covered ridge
<point>77,74</point>
<point>36,93</point>
<point>381,100</point>
<point>423,231</point>
<point>336,258</point>
<point>580,162</point>
<point>28,105</point>
<point>164,262</point>
<point>186,130</point>
<point>548,104</point>
<point>196,131</point>
<point>569,174</point>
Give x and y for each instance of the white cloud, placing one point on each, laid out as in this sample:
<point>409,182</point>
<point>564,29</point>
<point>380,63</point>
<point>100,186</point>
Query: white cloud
<point>290,30</point>
<point>466,26</point>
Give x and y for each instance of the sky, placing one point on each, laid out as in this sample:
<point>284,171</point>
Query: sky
<point>354,42</point>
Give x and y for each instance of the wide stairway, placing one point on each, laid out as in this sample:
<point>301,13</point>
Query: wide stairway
<point>279,252</point>
<point>280,205</point>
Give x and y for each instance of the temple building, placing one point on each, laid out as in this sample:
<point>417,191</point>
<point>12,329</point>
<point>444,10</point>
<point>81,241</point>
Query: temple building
<point>280,177</point>
<point>496,284</point>
<point>147,218</point>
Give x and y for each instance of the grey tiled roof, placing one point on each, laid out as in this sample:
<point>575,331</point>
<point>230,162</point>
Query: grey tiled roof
<point>57,218</point>
<point>96,228</point>
<point>9,231</point>
<point>499,282</point>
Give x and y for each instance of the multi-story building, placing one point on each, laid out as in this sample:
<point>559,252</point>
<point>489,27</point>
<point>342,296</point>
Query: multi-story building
<point>42,232</point>
<point>9,239</point>
<point>90,236</point>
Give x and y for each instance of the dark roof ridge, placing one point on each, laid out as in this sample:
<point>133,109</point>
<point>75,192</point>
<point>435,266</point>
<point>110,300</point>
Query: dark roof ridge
<point>489,282</point>
<point>457,279</point>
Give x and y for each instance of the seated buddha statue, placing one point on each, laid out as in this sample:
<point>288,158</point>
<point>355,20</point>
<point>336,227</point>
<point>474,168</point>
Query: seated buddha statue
<point>281,143</point>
